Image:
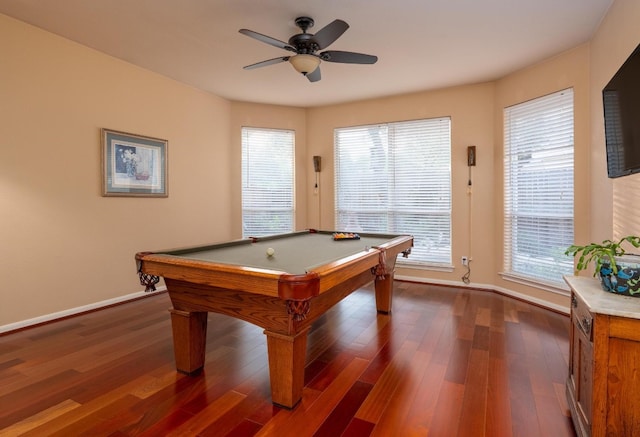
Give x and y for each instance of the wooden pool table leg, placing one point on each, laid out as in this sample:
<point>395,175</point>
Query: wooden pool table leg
<point>384,293</point>
<point>287,355</point>
<point>189,338</point>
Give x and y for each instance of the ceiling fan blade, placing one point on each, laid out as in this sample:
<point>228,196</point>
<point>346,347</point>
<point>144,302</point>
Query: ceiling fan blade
<point>267,40</point>
<point>314,76</point>
<point>348,57</point>
<point>329,33</point>
<point>267,62</point>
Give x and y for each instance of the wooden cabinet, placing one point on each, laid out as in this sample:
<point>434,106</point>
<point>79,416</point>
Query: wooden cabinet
<point>603,387</point>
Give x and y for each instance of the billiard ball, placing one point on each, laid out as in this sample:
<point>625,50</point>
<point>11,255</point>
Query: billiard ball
<point>270,252</point>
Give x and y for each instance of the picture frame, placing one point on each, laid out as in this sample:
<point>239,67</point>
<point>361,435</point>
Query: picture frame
<point>133,165</point>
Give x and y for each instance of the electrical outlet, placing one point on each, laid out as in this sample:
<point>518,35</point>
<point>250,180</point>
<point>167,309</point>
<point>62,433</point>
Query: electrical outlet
<point>465,261</point>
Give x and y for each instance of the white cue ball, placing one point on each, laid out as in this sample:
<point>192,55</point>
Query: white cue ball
<point>270,251</point>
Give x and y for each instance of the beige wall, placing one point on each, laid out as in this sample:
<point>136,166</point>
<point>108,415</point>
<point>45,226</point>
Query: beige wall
<point>62,245</point>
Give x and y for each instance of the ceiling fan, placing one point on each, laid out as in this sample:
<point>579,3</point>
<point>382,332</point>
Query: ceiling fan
<point>305,45</point>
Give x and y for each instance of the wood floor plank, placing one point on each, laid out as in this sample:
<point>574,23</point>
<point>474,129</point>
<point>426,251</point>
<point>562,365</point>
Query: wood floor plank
<point>33,398</point>
<point>439,321</point>
<point>446,417</point>
<point>513,338</point>
<point>108,417</point>
<point>474,402</point>
<point>372,330</point>
<point>483,317</point>
<point>466,323</point>
<point>43,417</point>
<point>525,423</point>
<point>326,376</point>
<point>155,384</point>
<point>242,416</point>
<point>205,417</point>
<point>458,361</point>
<point>394,419</point>
<point>247,428</point>
<point>307,418</point>
<point>87,409</point>
<point>394,375</point>
<point>172,419</point>
<point>358,428</point>
<point>341,416</point>
<point>549,422</point>
<point>498,412</point>
<point>481,337</point>
<point>420,413</point>
<point>387,346</point>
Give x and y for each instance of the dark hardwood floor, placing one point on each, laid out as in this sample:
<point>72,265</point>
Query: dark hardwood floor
<point>447,362</point>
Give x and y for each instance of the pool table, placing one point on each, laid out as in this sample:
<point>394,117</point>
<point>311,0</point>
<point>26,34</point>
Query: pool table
<point>284,293</point>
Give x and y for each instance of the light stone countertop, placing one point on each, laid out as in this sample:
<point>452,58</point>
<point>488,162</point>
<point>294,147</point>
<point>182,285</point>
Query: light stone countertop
<point>603,302</point>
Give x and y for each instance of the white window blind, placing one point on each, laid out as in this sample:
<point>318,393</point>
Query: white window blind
<point>538,196</point>
<point>396,178</point>
<point>267,181</point>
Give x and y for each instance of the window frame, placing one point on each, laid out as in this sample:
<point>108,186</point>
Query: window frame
<point>550,186</point>
<point>399,174</point>
<point>259,202</point>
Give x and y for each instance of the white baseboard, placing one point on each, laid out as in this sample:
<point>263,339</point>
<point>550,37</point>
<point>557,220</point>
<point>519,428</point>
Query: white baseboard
<point>540,302</point>
<point>74,311</point>
<point>105,303</point>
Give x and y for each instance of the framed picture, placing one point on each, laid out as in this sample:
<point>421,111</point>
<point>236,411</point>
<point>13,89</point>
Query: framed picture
<point>133,165</point>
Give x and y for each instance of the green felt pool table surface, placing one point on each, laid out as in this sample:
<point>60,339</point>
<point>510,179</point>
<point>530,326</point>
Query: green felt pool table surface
<point>296,253</point>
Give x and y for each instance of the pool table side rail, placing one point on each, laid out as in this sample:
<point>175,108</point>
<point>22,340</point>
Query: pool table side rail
<point>179,251</point>
<point>233,277</point>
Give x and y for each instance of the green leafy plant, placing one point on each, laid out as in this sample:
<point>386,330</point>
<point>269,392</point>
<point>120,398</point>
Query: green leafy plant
<point>601,254</point>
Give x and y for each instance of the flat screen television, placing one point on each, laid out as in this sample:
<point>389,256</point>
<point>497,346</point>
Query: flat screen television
<point>621,102</point>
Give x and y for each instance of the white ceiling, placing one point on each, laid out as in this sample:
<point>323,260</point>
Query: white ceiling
<point>421,44</point>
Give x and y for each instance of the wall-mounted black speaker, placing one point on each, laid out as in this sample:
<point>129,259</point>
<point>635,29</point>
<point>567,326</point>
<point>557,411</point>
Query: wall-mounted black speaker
<point>471,156</point>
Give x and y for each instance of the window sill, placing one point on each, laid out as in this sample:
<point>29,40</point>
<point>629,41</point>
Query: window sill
<point>425,266</point>
<point>553,287</point>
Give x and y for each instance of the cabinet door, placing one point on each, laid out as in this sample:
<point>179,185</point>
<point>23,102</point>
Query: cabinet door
<point>581,366</point>
<point>623,395</point>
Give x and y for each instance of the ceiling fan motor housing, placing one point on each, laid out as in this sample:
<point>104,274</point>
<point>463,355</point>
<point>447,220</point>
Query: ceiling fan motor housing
<point>304,42</point>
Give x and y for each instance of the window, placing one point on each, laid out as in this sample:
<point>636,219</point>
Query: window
<point>267,181</point>
<point>538,197</point>
<point>396,178</point>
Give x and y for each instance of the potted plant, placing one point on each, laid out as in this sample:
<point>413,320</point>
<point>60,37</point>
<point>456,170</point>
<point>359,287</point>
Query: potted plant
<point>619,273</point>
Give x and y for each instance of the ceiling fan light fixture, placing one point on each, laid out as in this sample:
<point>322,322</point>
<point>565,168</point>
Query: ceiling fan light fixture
<point>304,63</point>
